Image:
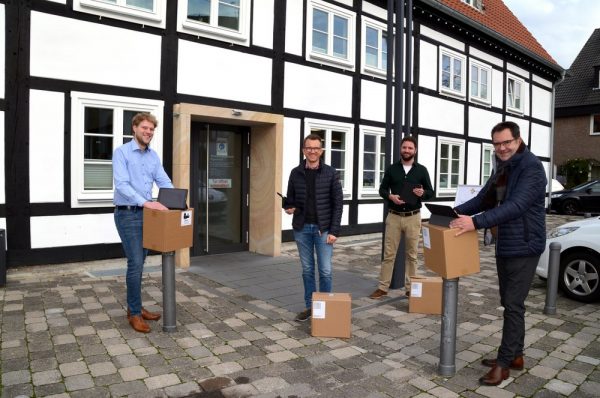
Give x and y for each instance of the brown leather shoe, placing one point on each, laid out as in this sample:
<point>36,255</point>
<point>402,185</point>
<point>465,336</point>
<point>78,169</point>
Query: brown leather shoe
<point>147,315</point>
<point>517,364</point>
<point>138,324</point>
<point>495,376</point>
<point>378,294</point>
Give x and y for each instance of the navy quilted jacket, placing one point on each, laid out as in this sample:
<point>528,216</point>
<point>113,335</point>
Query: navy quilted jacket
<point>521,218</point>
<point>329,198</point>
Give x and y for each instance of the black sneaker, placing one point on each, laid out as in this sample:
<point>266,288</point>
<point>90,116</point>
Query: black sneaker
<point>303,316</point>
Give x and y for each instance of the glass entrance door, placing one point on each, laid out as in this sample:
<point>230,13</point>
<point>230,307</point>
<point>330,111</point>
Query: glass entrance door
<point>219,173</point>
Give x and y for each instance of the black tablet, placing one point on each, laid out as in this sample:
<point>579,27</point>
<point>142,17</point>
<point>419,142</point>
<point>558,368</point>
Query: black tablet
<point>441,210</point>
<point>173,198</point>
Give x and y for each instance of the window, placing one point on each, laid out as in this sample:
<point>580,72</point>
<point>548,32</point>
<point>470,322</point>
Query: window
<point>147,12</point>
<point>452,70</point>
<point>450,165</point>
<point>374,47</point>
<point>372,161</point>
<point>487,162</point>
<point>330,34</point>
<point>480,82</point>
<point>227,20</point>
<point>336,140</point>
<point>595,125</point>
<point>101,123</point>
<point>514,94</point>
<point>478,4</point>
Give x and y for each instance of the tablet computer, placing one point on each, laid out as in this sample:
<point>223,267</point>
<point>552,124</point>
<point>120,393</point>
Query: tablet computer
<point>173,198</point>
<point>441,210</point>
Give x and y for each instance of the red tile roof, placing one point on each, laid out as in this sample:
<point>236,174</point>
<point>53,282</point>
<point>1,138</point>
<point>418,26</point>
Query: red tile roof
<point>498,17</point>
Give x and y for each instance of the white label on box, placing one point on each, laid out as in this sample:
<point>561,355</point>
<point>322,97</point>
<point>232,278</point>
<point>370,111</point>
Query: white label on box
<point>416,289</point>
<point>426,240</point>
<point>318,310</point>
<point>186,218</point>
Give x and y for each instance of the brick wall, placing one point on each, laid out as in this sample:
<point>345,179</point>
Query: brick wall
<point>572,139</point>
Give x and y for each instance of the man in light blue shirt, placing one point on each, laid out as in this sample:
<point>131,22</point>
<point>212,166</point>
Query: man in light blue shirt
<point>136,167</point>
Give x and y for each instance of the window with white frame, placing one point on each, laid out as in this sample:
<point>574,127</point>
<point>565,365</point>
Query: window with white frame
<point>514,94</point>
<point>101,123</point>
<point>375,52</point>
<point>480,82</point>
<point>478,4</point>
<point>337,141</point>
<point>450,165</point>
<point>487,162</point>
<point>595,127</point>
<point>226,20</point>
<point>330,30</point>
<point>146,12</point>
<point>372,162</point>
<point>452,72</point>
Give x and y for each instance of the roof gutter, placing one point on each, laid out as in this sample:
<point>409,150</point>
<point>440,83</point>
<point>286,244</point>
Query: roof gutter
<point>492,33</point>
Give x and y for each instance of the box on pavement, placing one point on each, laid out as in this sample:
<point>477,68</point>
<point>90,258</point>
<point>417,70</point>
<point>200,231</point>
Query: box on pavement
<point>448,255</point>
<point>331,314</point>
<point>168,230</point>
<point>425,295</point>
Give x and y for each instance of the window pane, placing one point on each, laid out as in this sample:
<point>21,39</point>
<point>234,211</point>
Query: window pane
<point>486,169</point>
<point>97,176</point>
<point>444,151</point>
<point>320,21</point>
<point>474,81</point>
<point>369,143</point>
<point>596,124</point>
<point>97,147</point>
<point>384,51</point>
<point>445,71</point>
<point>457,84</point>
<point>98,121</point>
<point>454,181</point>
<point>199,10</point>
<point>319,43</point>
<point>455,166</point>
<point>484,94</point>
<point>145,4</point>
<point>369,179</point>
<point>484,74</point>
<point>320,133</point>
<point>127,117</point>
<point>443,167</point>
<point>455,151</point>
<point>338,140</point>
<point>337,159</point>
<point>457,75</point>
<point>340,26</point>
<point>444,181</point>
<point>371,57</point>
<point>372,37</point>
<point>229,14</point>
<point>369,161</point>
<point>340,47</point>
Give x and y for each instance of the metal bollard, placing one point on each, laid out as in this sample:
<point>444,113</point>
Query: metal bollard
<point>447,366</point>
<point>552,284</point>
<point>168,282</point>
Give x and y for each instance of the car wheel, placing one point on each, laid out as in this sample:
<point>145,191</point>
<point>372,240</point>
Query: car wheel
<point>570,207</point>
<point>580,276</point>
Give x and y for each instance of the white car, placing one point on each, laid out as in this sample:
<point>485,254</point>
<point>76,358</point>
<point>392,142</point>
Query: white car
<point>579,275</point>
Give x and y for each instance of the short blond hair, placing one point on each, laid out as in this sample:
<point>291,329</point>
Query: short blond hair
<point>140,117</point>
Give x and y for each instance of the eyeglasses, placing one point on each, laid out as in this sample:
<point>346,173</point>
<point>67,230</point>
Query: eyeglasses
<point>312,149</point>
<point>503,143</point>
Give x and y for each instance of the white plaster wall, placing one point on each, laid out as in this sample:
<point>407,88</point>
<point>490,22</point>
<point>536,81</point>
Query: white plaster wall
<point>210,71</point>
<point>540,140</point>
<point>517,70</point>
<point>447,40</point>
<point>67,49</point>
<point>59,1</point>
<point>2,167</point>
<point>85,229</point>
<point>473,163</point>
<point>497,88</point>
<point>481,122</point>
<point>428,64</point>
<point>526,107</point>
<point>439,114</point>
<point>426,155</point>
<point>370,213</point>
<point>345,215</point>
<point>372,9</point>
<point>541,101</point>
<point>316,90</point>
<point>291,155</point>
<point>346,2</point>
<point>372,104</point>
<point>483,56</point>
<point>2,50</point>
<point>542,81</point>
<point>46,146</point>
<point>523,125</point>
<point>262,27</point>
<point>293,27</point>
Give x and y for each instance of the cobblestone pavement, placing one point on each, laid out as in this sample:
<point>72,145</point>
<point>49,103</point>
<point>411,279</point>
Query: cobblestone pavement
<point>64,334</point>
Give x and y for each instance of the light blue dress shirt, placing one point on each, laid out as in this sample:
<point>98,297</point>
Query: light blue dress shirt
<point>134,172</point>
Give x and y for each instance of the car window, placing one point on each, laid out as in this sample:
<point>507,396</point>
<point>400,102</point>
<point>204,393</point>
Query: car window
<point>596,187</point>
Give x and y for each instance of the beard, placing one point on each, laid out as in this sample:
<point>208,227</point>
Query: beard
<point>407,156</point>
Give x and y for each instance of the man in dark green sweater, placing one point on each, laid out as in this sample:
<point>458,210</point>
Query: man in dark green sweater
<point>404,185</point>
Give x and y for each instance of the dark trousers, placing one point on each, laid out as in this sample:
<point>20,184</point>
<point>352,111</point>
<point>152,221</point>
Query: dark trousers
<point>514,276</point>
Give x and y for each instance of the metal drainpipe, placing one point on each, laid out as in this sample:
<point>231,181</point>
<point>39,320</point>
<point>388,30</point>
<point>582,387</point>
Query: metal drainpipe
<point>551,168</point>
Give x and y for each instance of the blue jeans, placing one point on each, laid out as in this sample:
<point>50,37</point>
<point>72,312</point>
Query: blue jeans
<point>309,240</point>
<point>130,227</point>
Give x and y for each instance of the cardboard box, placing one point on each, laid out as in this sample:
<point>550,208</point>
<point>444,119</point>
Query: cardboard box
<point>169,230</point>
<point>425,295</point>
<point>448,255</point>
<point>331,315</point>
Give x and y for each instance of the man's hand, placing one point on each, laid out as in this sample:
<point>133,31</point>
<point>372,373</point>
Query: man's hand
<point>290,210</point>
<point>463,223</point>
<point>396,199</point>
<point>331,239</point>
<point>155,205</point>
<point>418,191</point>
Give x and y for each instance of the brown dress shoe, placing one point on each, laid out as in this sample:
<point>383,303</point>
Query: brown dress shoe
<point>495,376</point>
<point>147,315</point>
<point>138,324</point>
<point>516,364</point>
<point>378,294</point>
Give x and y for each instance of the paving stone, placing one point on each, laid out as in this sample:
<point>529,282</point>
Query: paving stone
<point>180,390</point>
<point>240,391</point>
<point>561,387</point>
<point>16,377</point>
<point>102,369</point>
<point>161,381</point>
<point>46,377</point>
<point>96,392</point>
<point>127,388</point>
<point>133,373</point>
<point>73,368</point>
<point>53,389</point>
<point>225,368</point>
<point>79,382</point>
